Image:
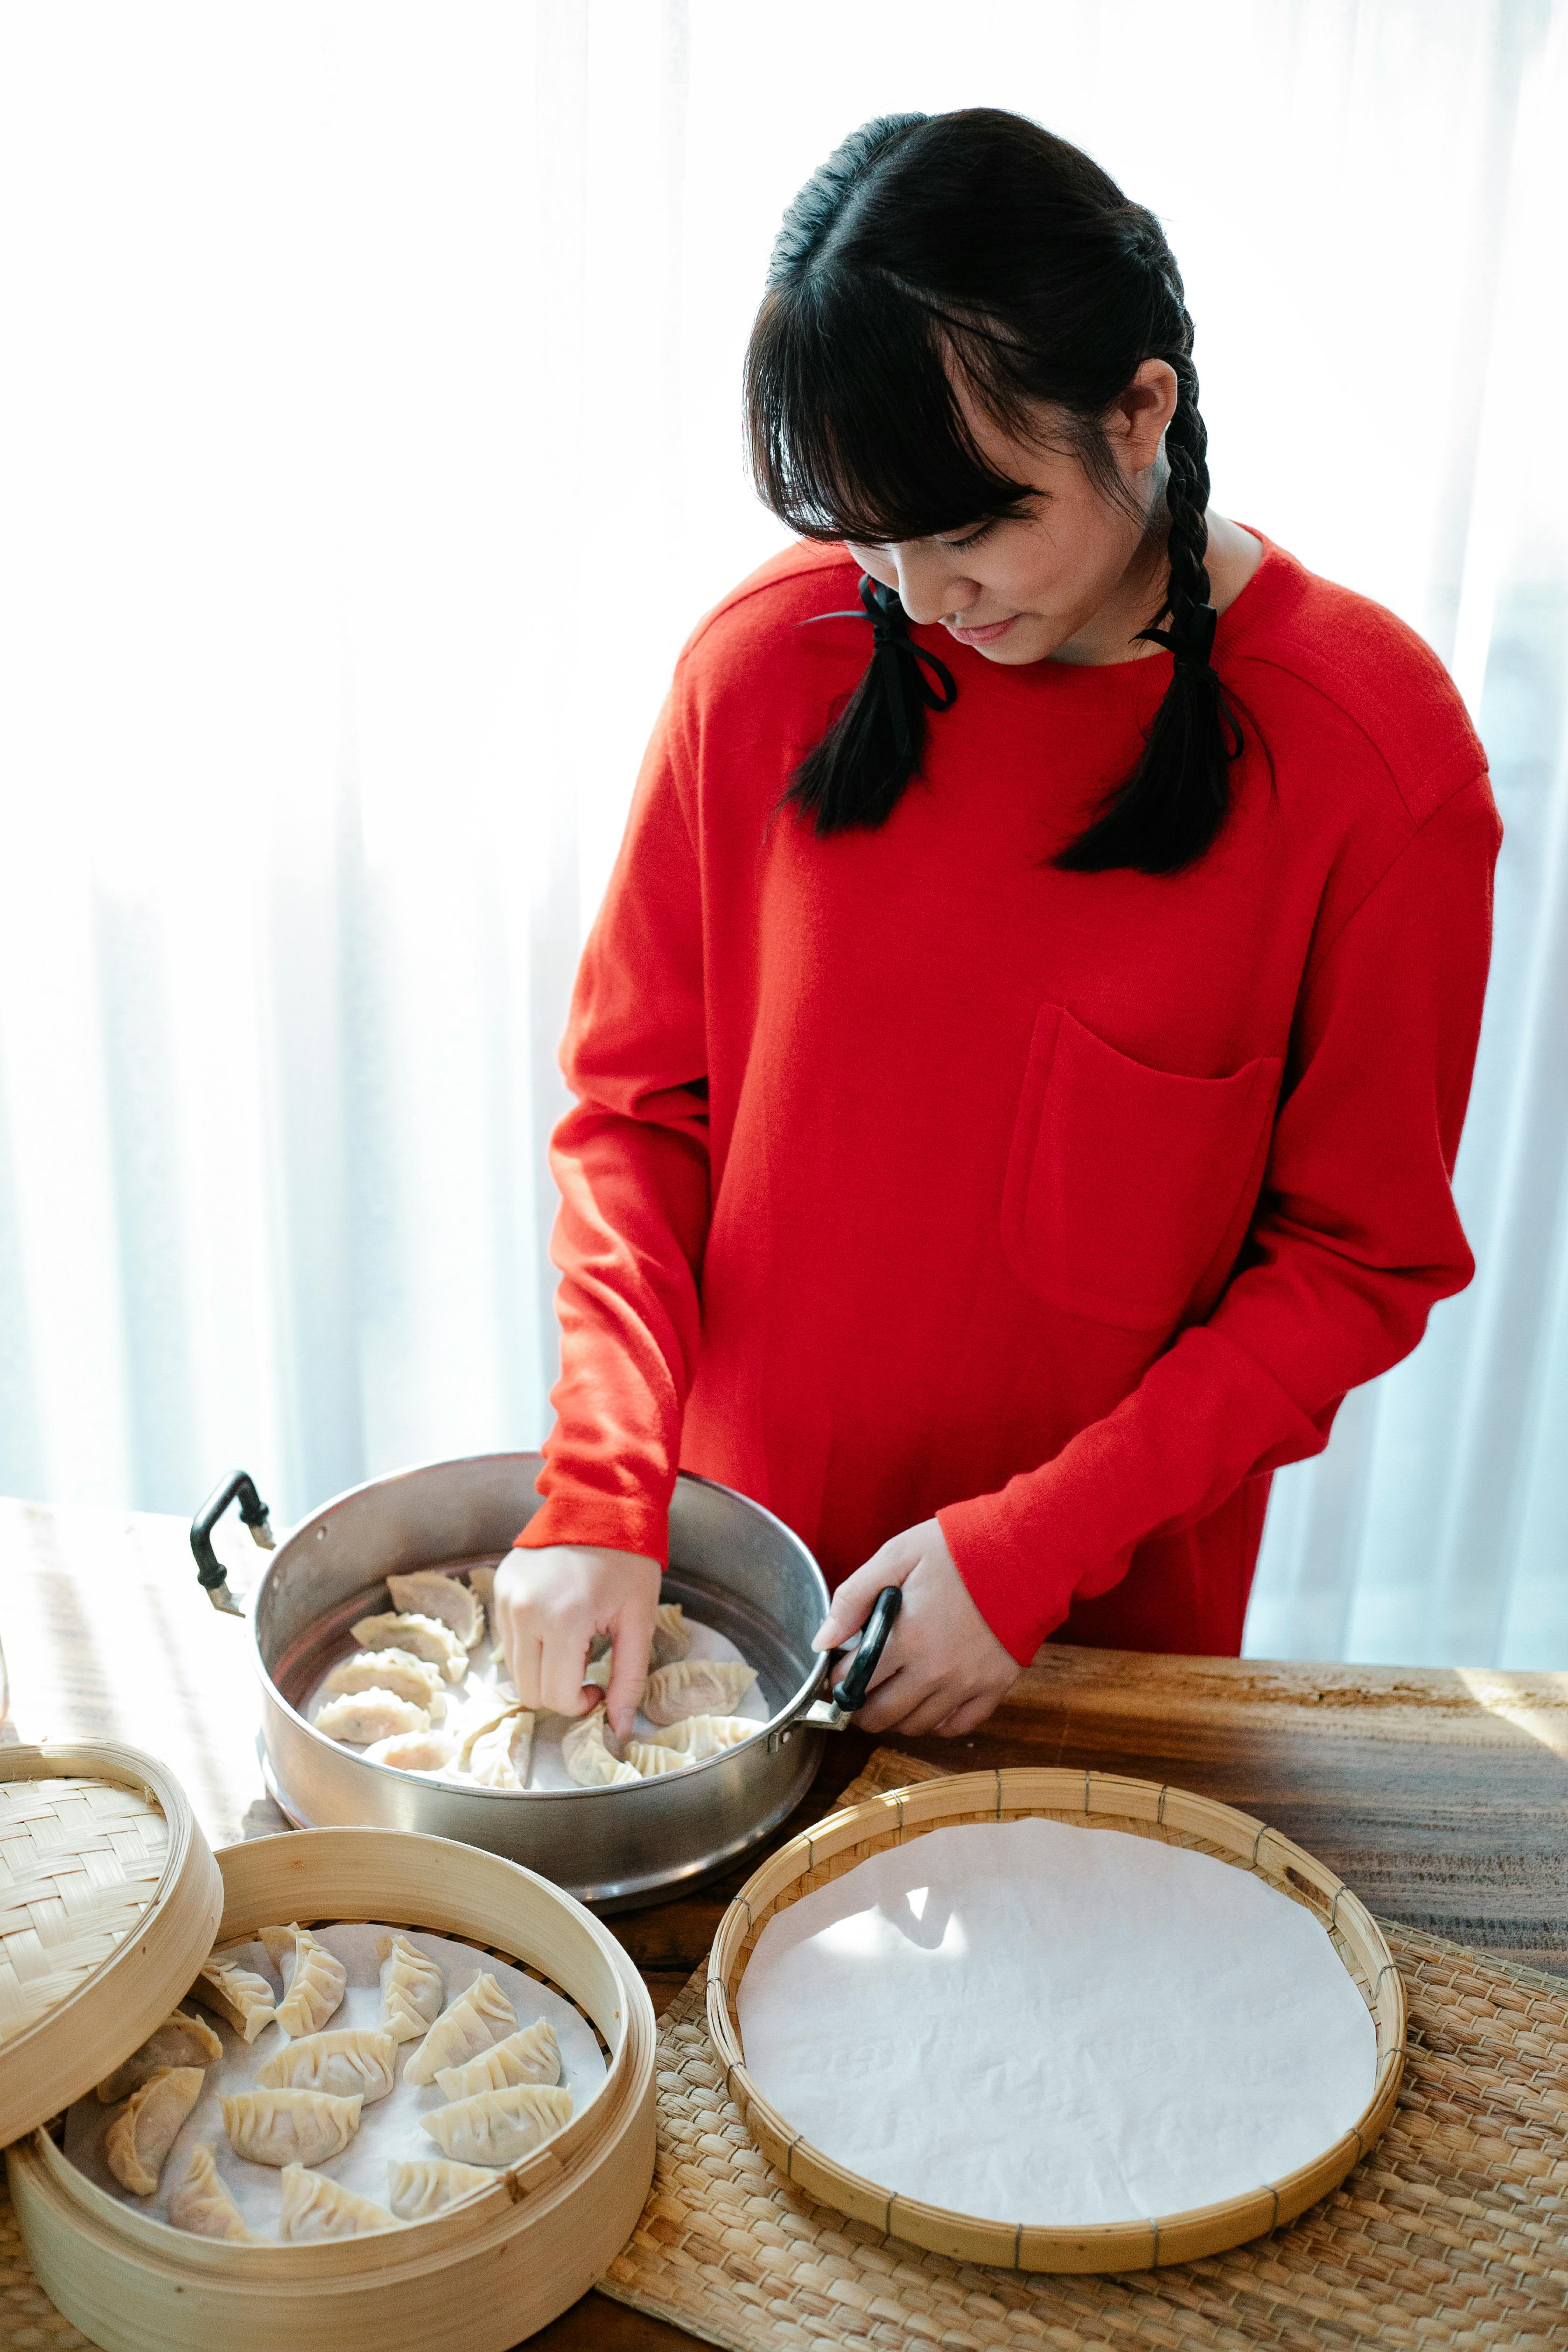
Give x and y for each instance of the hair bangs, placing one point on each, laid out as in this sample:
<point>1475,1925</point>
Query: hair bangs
<point>855,430</point>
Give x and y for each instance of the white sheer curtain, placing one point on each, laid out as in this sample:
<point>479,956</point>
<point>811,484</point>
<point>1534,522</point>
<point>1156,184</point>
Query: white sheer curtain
<point>370,442</point>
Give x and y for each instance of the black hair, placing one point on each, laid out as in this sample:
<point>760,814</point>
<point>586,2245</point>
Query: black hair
<point>977,245</point>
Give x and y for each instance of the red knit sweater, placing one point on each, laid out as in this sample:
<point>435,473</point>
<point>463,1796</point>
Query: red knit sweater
<point>909,1175</point>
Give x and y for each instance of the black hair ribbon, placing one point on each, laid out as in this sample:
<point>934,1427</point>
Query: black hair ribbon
<point>900,662</point>
<point>1191,646</point>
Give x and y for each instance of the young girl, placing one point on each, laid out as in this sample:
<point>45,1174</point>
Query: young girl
<point>1022,1053</point>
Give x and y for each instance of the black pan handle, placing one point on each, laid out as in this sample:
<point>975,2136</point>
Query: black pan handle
<point>210,1571</point>
<point>854,1688</point>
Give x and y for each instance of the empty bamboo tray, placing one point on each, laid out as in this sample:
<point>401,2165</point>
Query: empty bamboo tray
<point>478,2277</point>
<point>1084,1800</point>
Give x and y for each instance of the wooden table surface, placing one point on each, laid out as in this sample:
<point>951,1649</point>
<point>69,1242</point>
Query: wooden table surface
<point>1440,1795</point>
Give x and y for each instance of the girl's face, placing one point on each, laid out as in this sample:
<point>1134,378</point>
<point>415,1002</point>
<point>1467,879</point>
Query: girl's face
<point>1019,590</point>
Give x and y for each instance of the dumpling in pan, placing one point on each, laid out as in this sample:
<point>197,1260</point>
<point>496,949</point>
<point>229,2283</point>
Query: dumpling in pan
<point>289,2127</point>
<point>497,1753</point>
<point>704,1734</point>
<point>398,1671</point>
<point>180,2041</point>
<point>200,2202</point>
<point>671,1636</point>
<point>483,1582</point>
<point>313,1979</point>
<point>532,2056</point>
<point>238,1994</point>
<point>648,1761</point>
<point>356,2058</point>
<point>597,1672</point>
<point>589,1760</point>
<point>362,1717</point>
<point>413,1751</point>
<point>422,1636</point>
<point>411,1988</point>
<point>695,1687</point>
<point>499,2126</point>
<point>315,2207</point>
<point>417,2190</point>
<point>428,1593</point>
<point>141,2135</point>
<point>480,2015</point>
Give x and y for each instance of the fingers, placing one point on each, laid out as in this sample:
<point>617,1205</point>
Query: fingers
<point>965,1718</point>
<point>561,1690</point>
<point>852,1604</point>
<point>633,1637</point>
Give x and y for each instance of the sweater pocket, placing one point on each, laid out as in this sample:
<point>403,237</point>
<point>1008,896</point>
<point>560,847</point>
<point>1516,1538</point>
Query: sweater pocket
<point>1124,1182</point>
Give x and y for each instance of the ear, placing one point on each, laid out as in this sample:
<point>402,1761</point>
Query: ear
<point>1136,419</point>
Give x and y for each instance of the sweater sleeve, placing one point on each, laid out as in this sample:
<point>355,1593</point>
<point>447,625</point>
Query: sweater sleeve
<point>632,1165</point>
<point>1356,1239</point>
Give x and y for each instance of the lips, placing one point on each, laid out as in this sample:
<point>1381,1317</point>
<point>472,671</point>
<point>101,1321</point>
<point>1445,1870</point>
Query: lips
<point>986,635</point>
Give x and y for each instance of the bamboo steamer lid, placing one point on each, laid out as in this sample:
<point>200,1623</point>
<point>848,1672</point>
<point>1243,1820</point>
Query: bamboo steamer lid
<point>109,1900</point>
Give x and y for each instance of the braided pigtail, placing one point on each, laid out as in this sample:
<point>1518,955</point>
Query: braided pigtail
<point>1169,809</point>
<point>857,773</point>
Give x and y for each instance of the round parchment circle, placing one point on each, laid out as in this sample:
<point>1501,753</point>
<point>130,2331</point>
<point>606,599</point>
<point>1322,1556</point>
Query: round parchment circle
<point>1032,2022</point>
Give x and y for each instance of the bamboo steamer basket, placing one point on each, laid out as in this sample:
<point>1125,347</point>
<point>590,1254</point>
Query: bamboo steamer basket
<point>476,2278</point>
<point>1101,1801</point>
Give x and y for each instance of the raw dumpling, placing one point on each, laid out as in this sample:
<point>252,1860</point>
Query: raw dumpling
<point>289,2127</point>
<point>483,1581</point>
<point>238,1993</point>
<point>704,1734</point>
<point>356,2058</point>
<point>497,1752</point>
<point>413,1751</point>
<point>477,2018</point>
<point>417,2190</point>
<point>671,1634</point>
<point>315,2207</point>
<point>532,2056</point>
<point>695,1687</point>
<point>423,1637</point>
<point>313,1979</point>
<point>589,1761</point>
<point>498,2127</point>
<point>428,1593</point>
<point>394,1670</point>
<point>180,2041</point>
<point>360,1717</point>
<point>200,2203</point>
<point>141,2137</point>
<point>648,1761</point>
<point>411,1988</point>
<point>598,1672</point>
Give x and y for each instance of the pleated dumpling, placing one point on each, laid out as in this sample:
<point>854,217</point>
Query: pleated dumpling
<point>648,1761</point>
<point>362,1717</point>
<point>417,2191</point>
<point>314,1980</point>
<point>588,1759</point>
<point>423,1637</point>
<point>238,1994</point>
<point>411,1988</point>
<point>289,2127</point>
<point>356,2058</point>
<point>497,1752</point>
<point>315,2207</point>
<point>200,2202</point>
<point>141,2137</point>
<point>480,2015</point>
<point>703,1735</point>
<point>671,1634</point>
<point>499,2126</point>
<point>695,1687</point>
<point>428,1593</point>
<point>413,1751</point>
<point>532,2056</point>
<point>180,2041</point>
<point>393,1670</point>
<point>483,1582</point>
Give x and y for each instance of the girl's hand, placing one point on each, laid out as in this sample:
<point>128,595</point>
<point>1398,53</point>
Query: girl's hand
<point>943,1669</point>
<point>550,1603</point>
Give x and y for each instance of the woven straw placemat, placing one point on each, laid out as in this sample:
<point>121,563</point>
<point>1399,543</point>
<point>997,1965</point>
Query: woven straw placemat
<point>1453,2232</point>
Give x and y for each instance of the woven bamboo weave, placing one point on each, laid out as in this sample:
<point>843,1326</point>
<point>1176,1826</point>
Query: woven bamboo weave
<point>79,1864</point>
<point>1453,2232</point>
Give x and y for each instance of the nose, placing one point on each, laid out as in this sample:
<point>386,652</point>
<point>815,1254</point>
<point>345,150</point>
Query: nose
<point>929,588</point>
